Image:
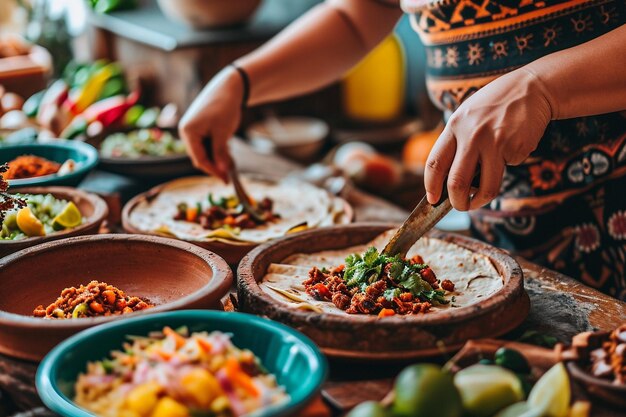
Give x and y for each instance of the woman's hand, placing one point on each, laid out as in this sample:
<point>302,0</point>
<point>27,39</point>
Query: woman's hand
<point>211,120</point>
<point>499,125</point>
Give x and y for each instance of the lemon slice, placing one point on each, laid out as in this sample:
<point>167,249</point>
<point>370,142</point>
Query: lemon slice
<point>487,389</point>
<point>28,223</point>
<point>69,217</point>
<point>551,394</point>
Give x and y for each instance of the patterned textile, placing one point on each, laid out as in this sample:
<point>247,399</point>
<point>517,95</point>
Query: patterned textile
<point>565,206</point>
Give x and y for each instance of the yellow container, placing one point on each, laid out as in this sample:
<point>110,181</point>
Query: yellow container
<point>374,89</point>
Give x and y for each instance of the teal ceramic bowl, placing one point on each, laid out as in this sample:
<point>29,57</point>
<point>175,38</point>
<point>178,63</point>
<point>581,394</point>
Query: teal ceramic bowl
<point>59,151</point>
<point>292,357</point>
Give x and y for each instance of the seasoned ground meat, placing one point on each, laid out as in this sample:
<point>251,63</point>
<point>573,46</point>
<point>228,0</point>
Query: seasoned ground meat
<point>341,301</point>
<point>91,300</point>
<point>361,303</point>
<point>225,212</point>
<point>376,289</point>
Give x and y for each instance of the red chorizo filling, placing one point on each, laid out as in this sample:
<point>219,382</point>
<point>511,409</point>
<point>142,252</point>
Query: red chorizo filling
<point>375,283</point>
<point>92,300</point>
<point>226,212</point>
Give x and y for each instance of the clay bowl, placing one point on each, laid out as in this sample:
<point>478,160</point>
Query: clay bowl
<point>172,274</point>
<point>599,388</point>
<point>359,337</point>
<point>231,251</point>
<point>209,13</point>
<point>93,208</point>
<point>148,167</point>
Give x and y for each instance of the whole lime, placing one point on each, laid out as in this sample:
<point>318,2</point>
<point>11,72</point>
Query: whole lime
<point>426,390</point>
<point>369,409</point>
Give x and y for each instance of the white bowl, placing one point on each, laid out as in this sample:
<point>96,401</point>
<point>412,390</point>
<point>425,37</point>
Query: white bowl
<point>298,137</point>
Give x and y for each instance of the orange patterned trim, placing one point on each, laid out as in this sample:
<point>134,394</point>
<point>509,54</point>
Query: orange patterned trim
<point>468,32</point>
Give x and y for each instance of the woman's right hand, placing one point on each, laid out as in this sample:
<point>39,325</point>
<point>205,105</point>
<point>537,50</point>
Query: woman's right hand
<point>213,117</point>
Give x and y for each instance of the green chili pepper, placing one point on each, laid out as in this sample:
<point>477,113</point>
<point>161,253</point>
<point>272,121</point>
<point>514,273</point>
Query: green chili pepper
<point>80,310</point>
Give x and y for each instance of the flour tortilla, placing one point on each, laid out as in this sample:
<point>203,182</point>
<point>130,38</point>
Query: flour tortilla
<point>474,275</point>
<point>297,203</point>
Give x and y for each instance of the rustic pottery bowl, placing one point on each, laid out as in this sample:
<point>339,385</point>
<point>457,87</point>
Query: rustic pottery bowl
<point>578,364</point>
<point>209,13</point>
<point>172,274</point>
<point>359,337</point>
<point>92,207</point>
<point>149,167</point>
<point>231,251</point>
<point>294,359</point>
<point>57,151</point>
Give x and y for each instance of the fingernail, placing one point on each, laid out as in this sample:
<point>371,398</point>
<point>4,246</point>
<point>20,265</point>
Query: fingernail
<point>431,198</point>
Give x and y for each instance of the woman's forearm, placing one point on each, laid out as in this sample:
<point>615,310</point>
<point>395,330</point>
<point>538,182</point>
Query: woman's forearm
<point>317,49</point>
<point>587,79</point>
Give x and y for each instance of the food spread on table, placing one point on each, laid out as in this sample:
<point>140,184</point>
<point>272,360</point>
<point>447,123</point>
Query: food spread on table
<point>375,283</point>
<point>182,209</point>
<point>178,373</point>
<point>43,214</point>
<point>359,280</point>
<point>141,142</point>
<point>31,166</point>
<point>92,300</point>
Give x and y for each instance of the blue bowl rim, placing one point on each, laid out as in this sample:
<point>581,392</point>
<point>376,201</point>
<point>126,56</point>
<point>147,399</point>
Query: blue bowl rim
<point>86,149</point>
<point>57,402</point>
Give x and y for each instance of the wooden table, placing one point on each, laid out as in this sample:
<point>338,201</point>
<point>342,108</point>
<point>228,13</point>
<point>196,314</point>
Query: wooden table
<point>560,306</point>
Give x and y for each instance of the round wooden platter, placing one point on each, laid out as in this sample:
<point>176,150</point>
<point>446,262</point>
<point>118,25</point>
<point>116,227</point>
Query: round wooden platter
<point>398,338</point>
<point>92,207</point>
<point>232,251</point>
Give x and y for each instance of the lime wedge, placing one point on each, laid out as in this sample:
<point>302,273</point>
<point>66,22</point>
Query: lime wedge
<point>521,409</point>
<point>487,389</point>
<point>28,223</point>
<point>551,394</point>
<point>69,217</point>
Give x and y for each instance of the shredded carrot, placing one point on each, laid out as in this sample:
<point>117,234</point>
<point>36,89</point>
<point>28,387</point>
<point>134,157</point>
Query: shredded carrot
<point>163,354</point>
<point>386,312</point>
<point>180,341</point>
<point>28,166</point>
<point>240,378</point>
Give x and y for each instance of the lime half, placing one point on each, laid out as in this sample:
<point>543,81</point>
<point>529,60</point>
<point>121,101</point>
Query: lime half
<point>69,217</point>
<point>551,394</point>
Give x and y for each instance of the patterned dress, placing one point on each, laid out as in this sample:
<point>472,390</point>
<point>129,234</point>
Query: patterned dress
<point>565,206</point>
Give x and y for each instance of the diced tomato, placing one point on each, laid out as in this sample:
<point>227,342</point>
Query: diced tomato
<point>191,214</point>
<point>428,275</point>
<point>322,290</point>
<point>386,312</point>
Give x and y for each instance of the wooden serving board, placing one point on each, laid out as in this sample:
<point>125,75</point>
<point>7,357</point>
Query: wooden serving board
<point>367,338</point>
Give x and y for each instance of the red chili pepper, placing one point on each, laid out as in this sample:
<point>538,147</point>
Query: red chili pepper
<point>428,275</point>
<point>110,110</point>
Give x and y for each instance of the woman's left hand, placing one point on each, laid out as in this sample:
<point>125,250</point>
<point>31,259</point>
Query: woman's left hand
<point>499,125</point>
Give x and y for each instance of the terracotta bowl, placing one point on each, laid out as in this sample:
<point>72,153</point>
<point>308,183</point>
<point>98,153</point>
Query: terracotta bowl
<point>232,252</point>
<point>360,337</point>
<point>209,13</point>
<point>172,274</point>
<point>93,208</point>
<point>579,364</point>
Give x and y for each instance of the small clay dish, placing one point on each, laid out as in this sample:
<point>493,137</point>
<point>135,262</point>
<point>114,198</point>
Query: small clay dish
<point>173,275</point>
<point>579,363</point>
<point>231,250</point>
<point>148,167</point>
<point>92,207</point>
<point>355,337</point>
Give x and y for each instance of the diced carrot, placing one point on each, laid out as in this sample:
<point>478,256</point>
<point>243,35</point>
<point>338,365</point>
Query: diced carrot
<point>164,355</point>
<point>386,312</point>
<point>230,220</point>
<point>204,345</point>
<point>109,296</point>
<point>240,378</point>
<point>191,214</point>
<point>180,341</point>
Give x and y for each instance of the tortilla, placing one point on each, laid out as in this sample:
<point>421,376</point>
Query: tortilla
<point>474,275</point>
<point>300,205</point>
